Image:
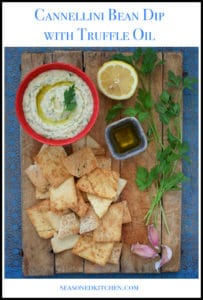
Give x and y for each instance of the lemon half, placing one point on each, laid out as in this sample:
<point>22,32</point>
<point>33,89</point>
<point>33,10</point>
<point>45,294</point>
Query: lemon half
<point>117,80</point>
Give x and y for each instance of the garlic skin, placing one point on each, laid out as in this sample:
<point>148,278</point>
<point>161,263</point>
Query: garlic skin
<point>144,251</point>
<point>153,236</point>
<point>167,254</point>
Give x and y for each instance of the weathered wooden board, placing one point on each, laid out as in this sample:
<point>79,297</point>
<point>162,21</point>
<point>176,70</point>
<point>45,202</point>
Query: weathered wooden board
<point>38,257</point>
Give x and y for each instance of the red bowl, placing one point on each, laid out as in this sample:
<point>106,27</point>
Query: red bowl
<point>19,100</point>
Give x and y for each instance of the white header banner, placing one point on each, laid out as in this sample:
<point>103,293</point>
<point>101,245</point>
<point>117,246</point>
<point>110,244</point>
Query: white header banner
<point>112,24</point>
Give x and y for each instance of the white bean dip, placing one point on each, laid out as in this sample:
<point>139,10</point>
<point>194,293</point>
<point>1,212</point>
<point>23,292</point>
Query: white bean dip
<point>43,104</point>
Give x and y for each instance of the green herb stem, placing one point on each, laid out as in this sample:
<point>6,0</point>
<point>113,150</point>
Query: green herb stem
<point>155,132</point>
<point>141,79</point>
<point>164,218</point>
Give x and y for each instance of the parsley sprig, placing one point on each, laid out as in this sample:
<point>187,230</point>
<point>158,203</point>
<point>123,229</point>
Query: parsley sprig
<point>69,99</point>
<point>164,175</point>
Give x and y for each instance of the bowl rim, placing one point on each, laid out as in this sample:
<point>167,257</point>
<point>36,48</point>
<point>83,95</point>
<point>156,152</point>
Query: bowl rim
<point>48,67</point>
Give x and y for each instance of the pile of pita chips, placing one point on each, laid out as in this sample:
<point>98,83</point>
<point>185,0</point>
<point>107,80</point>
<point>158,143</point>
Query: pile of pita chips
<point>78,203</point>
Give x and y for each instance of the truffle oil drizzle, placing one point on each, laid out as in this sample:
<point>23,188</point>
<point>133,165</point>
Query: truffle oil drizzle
<point>125,137</point>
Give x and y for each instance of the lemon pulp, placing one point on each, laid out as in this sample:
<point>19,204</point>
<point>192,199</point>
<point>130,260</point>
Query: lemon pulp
<point>117,80</point>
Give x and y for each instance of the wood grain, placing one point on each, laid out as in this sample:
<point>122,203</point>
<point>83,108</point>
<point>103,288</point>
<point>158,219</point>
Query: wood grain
<point>172,200</point>
<point>38,258</point>
<point>138,201</point>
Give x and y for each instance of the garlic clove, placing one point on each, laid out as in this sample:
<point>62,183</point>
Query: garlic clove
<point>144,251</point>
<point>165,257</point>
<point>153,236</point>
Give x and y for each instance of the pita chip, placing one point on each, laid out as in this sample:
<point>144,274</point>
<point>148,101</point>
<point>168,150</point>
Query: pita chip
<point>95,252</point>
<point>88,141</point>
<point>110,227</point>
<point>36,214</point>
<point>59,245</point>
<point>81,208</point>
<point>81,162</point>
<point>96,148</point>
<point>79,144</point>
<point>126,213</point>
<point>100,205</point>
<point>121,185</point>
<point>104,162</point>
<point>41,195</point>
<point>64,196</point>
<point>37,178</point>
<point>100,182</point>
<point>89,222</point>
<point>115,254</point>
<point>54,219</point>
<point>69,225</point>
<point>92,143</point>
<point>50,159</point>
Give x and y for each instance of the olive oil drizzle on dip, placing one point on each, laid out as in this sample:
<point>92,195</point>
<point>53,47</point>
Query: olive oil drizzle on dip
<point>55,113</point>
<point>43,104</point>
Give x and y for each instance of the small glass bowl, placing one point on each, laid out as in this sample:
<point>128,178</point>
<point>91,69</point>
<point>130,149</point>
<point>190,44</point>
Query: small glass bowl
<point>125,138</point>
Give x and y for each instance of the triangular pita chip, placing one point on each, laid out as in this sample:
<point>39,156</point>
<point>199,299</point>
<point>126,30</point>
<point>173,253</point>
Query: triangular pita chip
<point>54,219</point>
<point>92,143</point>
<point>121,185</point>
<point>69,224</point>
<point>88,141</point>
<point>81,162</point>
<point>81,208</point>
<point>89,222</point>
<point>100,182</point>
<point>95,252</point>
<point>100,205</point>
<point>59,245</point>
<point>79,144</point>
<point>36,214</point>
<point>96,147</point>
<point>126,213</point>
<point>50,160</point>
<point>115,254</point>
<point>64,196</point>
<point>37,178</point>
<point>104,162</point>
<point>41,195</point>
<point>110,227</point>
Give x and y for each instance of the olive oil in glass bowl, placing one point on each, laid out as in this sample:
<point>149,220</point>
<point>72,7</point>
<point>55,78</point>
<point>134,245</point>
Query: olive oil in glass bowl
<point>125,138</point>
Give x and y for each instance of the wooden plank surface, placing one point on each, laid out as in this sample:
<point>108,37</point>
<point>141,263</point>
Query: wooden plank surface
<point>172,200</point>
<point>138,201</point>
<point>38,258</point>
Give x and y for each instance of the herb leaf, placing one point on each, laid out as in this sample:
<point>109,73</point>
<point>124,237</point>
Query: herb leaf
<point>122,57</point>
<point>188,82</point>
<point>145,98</point>
<point>69,99</point>
<point>130,112</point>
<point>149,61</point>
<point>137,54</point>
<point>142,178</point>
<point>173,80</point>
<point>113,112</point>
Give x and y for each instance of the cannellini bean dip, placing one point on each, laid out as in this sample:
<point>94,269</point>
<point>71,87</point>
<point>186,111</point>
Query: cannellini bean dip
<point>43,104</point>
